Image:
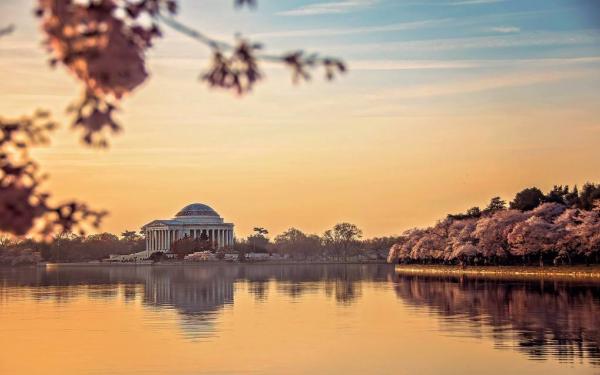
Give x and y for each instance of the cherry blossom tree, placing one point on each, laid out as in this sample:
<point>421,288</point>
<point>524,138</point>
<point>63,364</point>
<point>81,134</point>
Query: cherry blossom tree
<point>534,236</point>
<point>492,231</point>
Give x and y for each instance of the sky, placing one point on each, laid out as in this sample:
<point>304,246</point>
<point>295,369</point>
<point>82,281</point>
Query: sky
<point>446,104</point>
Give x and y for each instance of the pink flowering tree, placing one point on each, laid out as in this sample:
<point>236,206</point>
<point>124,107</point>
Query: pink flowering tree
<point>492,232</point>
<point>582,235</point>
<point>534,237</point>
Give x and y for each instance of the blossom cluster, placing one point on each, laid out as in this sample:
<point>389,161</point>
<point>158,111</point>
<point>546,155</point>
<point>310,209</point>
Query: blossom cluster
<point>22,205</point>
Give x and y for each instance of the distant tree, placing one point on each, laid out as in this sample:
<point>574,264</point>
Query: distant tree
<point>473,212</point>
<point>496,204</point>
<point>260,237</point>
<point>379,246</point>
<point>130,235</point>
<point>572,197</point>
<point>343,236</point>
<point>260,230</point>
<point>557,194</point>
<point>590,193</point>
<point>297,244</point>
<point>527,199</point>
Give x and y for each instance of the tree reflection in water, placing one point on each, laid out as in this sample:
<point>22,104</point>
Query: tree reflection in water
<point>541,319</point>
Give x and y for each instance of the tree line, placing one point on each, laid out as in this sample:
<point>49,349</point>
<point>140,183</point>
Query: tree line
<point>343,242</point>
<point>559,227</point>
<point>69,247</point>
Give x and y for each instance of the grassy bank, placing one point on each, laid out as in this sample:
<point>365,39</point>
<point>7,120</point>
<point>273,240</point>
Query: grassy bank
<point>505,272</point>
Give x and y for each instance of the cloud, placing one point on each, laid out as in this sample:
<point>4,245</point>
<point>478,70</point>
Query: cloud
<point>383,65</point>
<point>585,37</point>
<point>487,83</point>
<point>354,30</point>
<point>390,65</point>
<point>505,29</point>
<point>329,8</point>
<point>475,2</point>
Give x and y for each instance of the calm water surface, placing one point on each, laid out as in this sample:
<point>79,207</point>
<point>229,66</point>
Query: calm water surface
<point>260,319</point>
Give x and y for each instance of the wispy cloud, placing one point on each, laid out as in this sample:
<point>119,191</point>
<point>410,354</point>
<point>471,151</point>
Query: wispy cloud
<point>586,37</point>
<point>383,65</point>
<point>505,29</point>
<point>329,8</point>
<point>474,2</point>
<point>354,30</point>
<point>487,83</point>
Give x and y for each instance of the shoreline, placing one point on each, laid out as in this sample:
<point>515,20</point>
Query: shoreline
<point>575,273</point>
<point>198,264</point>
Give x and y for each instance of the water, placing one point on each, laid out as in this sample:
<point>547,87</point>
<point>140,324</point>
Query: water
<point>310,319</point>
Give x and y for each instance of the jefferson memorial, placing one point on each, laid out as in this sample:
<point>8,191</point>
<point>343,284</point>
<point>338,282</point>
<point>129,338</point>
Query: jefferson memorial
<point>194,221</point>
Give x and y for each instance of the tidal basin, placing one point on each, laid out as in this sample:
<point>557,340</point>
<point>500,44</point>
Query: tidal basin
<point>291,319</point>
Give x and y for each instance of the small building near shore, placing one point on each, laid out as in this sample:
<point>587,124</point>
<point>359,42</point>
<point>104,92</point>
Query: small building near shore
<point>194,221</point>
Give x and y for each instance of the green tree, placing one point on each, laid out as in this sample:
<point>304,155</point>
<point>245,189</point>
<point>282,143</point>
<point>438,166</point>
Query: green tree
<point>557,194</point>
<point>130,236</point>
<point>343,237</point>
<point>527,199</point>
<point>496,204</point>
<point>474,212</point>
<point>297,244</point>
<point>260,236</point>
<point>589,196</point>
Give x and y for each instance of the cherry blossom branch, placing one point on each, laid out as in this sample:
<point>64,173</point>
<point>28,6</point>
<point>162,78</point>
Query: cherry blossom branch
<point>245,54</point>
<point>22,204</point>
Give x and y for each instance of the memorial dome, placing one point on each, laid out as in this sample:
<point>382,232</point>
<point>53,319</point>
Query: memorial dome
<point>196,209</point>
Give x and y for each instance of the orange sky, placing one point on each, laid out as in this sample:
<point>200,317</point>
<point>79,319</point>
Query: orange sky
<point>399,142</point>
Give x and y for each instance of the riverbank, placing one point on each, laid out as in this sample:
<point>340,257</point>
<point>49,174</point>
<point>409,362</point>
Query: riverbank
<point>504,272</point>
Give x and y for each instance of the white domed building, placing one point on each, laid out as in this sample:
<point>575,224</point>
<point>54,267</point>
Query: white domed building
<point>195,220</point>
